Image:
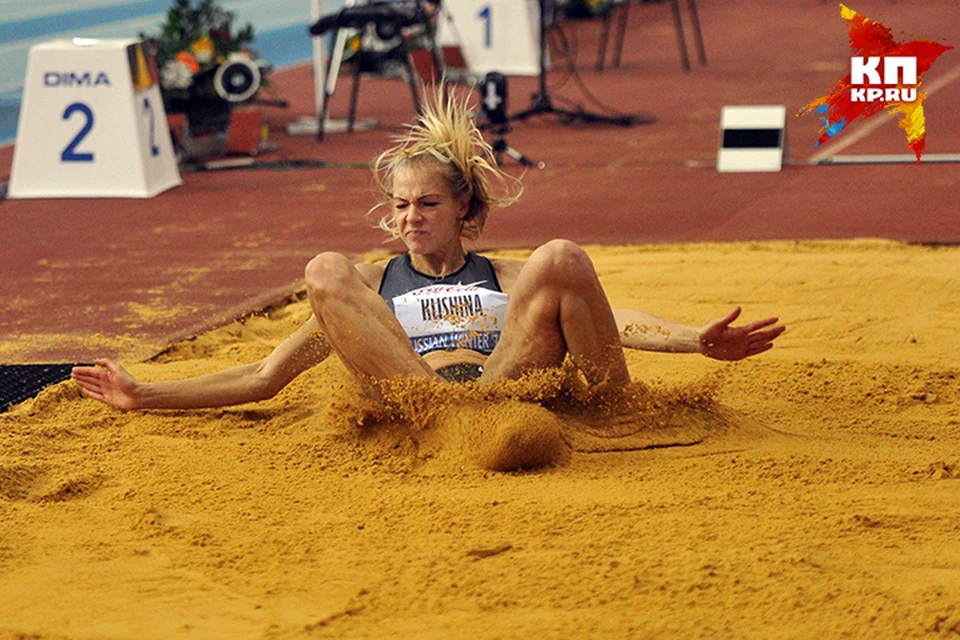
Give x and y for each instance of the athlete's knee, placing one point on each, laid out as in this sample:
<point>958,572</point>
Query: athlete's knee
<point>562,261</point>
<point>328,274</point>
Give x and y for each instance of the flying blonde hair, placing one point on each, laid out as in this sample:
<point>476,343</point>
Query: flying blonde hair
<point>446,138</point>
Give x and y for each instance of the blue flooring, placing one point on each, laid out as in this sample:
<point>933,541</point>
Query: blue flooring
<point>52,25</point>
<point>9,113</point>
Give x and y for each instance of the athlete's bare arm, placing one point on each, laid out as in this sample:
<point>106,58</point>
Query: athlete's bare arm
<point>110,383</point>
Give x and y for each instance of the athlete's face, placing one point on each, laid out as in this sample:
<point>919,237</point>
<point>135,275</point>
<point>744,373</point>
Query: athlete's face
<point>427,214</point>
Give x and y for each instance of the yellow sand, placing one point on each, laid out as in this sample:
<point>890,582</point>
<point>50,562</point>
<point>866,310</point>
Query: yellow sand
<point>811,492</point>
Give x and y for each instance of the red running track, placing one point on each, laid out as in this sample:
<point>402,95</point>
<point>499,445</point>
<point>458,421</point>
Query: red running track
<point>90,277</point>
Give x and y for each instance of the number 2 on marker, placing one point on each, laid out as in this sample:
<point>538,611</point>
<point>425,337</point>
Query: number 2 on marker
<point>69,153</point>
<point>487,15</point>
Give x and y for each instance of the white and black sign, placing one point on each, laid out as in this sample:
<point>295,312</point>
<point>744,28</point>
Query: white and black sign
<point>751,138</point>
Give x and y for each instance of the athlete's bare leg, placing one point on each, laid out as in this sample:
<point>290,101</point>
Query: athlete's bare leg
<point>558,306</point>
<point>358,324</point>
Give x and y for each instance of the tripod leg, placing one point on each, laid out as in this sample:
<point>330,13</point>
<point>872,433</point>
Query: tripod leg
<point>336,59</point>
<point>621,32</point>
<point>354,96</point>
<point>500,147</point>
<point>681,40</point>
<point>604,35</point>
<point>327,93</point>
<point>698,34</point>
<point>439,65</point>
<point>413,76</point>
<point>519,157</point>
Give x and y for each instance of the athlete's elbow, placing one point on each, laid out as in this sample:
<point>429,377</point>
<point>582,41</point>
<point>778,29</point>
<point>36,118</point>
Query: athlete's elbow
<point>264,391</point>
<point>266,383</point>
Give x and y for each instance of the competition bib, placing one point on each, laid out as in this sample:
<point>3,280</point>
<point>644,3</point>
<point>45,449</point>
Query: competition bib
<point>452,316</point>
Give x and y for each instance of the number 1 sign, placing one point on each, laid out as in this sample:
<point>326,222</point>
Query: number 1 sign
<point>495,35</point>
<point>92,123</point>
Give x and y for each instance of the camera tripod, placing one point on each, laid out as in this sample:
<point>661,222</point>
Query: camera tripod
<point>501,146</point>
<point>493,99</point>
<point>542,102</point>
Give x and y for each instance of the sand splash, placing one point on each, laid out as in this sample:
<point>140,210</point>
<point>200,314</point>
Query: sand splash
<point>527,423</point>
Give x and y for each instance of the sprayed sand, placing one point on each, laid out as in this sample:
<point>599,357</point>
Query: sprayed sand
<point>813,491</point>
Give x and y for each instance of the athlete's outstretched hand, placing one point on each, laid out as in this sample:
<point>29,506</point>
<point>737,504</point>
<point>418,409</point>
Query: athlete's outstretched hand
<point>107,382</point>
<point>721,341</point>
